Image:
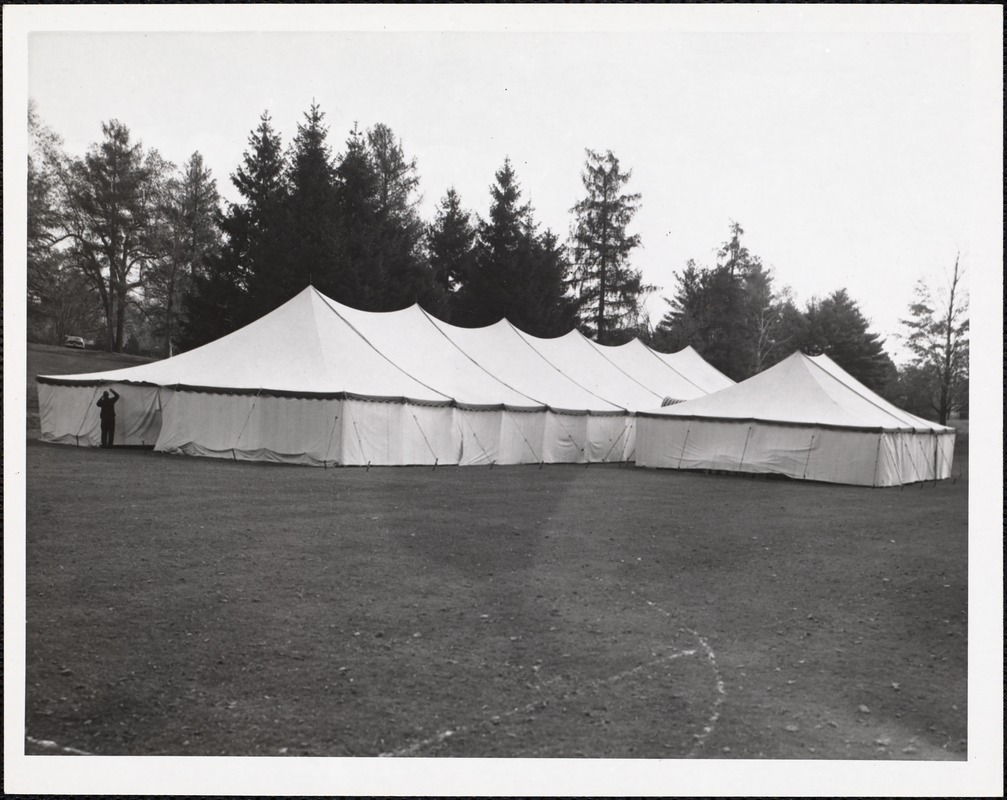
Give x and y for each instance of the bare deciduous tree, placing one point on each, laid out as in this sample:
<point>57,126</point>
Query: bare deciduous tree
<point>938,338</point>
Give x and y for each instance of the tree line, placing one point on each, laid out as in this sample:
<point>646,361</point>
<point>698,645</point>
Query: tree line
<point>143,254</point>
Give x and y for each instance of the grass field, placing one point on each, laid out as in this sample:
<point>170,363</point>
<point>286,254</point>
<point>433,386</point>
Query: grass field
<point>194,606</point>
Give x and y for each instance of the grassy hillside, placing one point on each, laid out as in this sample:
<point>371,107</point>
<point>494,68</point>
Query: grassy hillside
<point>45,359</point>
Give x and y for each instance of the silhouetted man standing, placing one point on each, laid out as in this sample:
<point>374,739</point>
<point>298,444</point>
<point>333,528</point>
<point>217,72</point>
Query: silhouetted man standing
<point>107,406</point>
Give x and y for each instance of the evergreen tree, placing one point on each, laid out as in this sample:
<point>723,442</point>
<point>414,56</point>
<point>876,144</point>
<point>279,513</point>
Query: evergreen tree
<point>451,246</point>
<point>610,291</point>
<point>219,300</point>
<point>837,328</point>
<point>709,313</point>
<point>399,236</point>
<point>790,329</point>
<point>361,277</point>
<point>190,238</point>
<point>938,338</point>
<point>730,313</point>
<point>516,273</point>
<point>307,231</point>
<point>547,310</point>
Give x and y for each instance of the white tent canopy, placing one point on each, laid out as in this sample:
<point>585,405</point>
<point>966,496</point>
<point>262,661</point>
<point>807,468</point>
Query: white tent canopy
<point>696,370</point>
<point>806,418</point>
<point>318,382</point>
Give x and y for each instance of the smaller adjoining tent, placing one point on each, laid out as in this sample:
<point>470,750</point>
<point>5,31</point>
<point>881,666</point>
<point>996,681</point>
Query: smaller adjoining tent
<point>805,418</point>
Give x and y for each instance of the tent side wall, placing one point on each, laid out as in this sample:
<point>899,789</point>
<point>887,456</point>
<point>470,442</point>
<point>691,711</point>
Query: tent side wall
<point>251,428</point>
<point>309,431</point>
<point>909,457</point>
<point>860,458</point>
<point>69,415</point>
<point>611,438</point>
<point>356,432</point>
<point>327,432</point>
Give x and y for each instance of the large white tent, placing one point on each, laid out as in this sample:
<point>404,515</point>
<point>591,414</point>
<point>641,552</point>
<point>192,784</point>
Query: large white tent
<point>805,418</point>
<point>317,382</point>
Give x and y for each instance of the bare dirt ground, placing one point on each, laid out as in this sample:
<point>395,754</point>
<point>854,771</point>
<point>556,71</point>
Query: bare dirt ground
<point>194,606</point>
<point>182,605</point>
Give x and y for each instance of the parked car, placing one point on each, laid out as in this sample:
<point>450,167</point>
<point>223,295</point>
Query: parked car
<point>74,341</point>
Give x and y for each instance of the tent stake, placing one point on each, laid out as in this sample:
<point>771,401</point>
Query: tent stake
<point>435,465</point>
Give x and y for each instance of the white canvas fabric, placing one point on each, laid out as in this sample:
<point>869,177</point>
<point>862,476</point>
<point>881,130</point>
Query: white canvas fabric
<point>806,418</point>
<point>416,347</point>
<point>317,382</point>
<point>577,358</point>
<point>667,382</point>
<point>696,370</point>
<point>502,350</point>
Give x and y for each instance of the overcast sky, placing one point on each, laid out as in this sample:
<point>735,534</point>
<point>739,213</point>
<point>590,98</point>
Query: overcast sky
<point>844,154</point>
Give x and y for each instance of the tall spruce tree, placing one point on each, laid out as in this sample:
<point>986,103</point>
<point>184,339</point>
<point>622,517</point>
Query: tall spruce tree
<point>517,273</point>
<point>220,299</point>
<point>190,238</point>
<point>451,247</point>
<point>308,236</point>
<point>838,329</point>
<point>709,314</point>
<point>361,277</point>
<point>729,313</point>
<point>737,321</point>
<point>549,309</point>
<point>610,291</point>
<point>398,239</point>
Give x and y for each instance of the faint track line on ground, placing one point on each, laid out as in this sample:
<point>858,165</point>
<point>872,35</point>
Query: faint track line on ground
<point>48,744</point>
<point>537,704</point>
<point>711,657</point>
